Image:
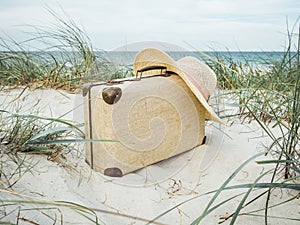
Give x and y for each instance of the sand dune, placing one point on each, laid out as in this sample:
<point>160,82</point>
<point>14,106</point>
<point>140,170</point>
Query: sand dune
<point>150,191</point>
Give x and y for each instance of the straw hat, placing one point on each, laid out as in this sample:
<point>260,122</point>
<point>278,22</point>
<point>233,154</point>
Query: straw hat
<point>196,74</point>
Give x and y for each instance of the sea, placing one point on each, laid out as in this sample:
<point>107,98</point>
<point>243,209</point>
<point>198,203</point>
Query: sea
<point>125,58</point>
<point>250,58</point>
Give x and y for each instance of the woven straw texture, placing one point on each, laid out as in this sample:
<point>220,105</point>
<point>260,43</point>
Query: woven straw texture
<point>198,76</point>
<point>155,119</point>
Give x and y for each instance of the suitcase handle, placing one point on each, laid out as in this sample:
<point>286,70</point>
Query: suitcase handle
<point>163,71</point>
<point>147,68</point>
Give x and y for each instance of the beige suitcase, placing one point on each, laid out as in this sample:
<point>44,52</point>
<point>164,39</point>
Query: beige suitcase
<point>149,119</point>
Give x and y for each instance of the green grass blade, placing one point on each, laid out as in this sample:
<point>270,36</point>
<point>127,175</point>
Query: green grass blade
<point>51,131</point>
<point>204,213</point>
<point>68,141</point>
<point>241,204</point>
<point>274,161</point>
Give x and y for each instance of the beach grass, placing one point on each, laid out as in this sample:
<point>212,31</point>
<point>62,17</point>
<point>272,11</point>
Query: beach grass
<point>270,97</point>
<point>65,58</point>
<point>60,65</point>
<point>66,61</point>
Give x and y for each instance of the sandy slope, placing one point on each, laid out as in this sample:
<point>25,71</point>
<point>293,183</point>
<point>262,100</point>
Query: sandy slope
<point>150,191</point>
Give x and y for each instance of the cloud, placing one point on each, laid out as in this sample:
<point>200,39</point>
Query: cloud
<point>111,23</point>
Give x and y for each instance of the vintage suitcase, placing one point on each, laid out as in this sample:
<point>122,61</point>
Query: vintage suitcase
<point>150,118</point>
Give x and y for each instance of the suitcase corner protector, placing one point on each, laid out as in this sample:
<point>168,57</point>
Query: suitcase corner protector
<point>203,140</point>
<point>86,88</point>
<point>113,172</point>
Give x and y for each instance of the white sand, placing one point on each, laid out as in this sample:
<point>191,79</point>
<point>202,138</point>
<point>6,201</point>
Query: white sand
<point>150,191</point>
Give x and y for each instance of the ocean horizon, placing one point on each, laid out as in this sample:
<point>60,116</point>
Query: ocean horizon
<point>126,58</point>
<point>253,58</point>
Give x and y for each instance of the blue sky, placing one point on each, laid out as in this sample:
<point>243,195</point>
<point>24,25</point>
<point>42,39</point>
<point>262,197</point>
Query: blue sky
<point>203,24</point>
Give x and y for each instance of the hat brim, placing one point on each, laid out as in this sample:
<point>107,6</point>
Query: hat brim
<point>155,57</point>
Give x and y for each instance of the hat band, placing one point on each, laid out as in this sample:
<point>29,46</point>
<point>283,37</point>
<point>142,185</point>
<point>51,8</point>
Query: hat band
<point>200,86</point>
